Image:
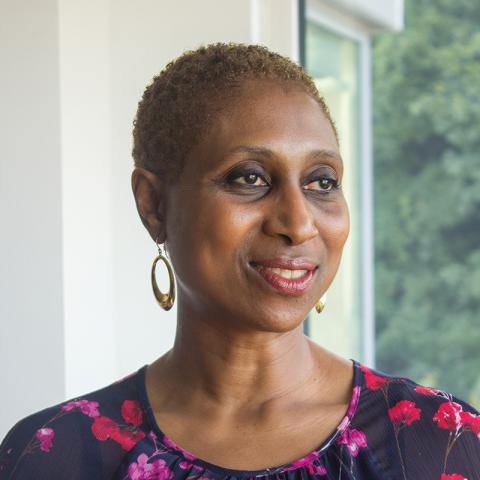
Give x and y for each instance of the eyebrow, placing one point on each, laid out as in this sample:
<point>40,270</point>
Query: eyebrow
<point>319,154</point>
<point>266,152</point>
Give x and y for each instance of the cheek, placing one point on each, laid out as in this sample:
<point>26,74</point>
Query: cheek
<point>208,239</point>
<point>334,227</point>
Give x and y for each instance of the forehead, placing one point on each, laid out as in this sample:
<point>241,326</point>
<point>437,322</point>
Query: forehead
<point>283,119</point>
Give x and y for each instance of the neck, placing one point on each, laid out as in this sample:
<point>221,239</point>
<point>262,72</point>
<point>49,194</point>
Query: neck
<point>236,368</point>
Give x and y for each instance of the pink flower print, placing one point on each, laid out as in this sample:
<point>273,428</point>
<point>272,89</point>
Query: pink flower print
<point>185,465</point>
<point>354,401</point>
<point>132,412</point>
<point>308,462</point>
<point>448,416</point>
<point>142,470</point>
<point>319,470</point>
<point>404,412</point>
<point>352,407</point>
<point>170,443</point>
<point>343,424</point>
<point>45,435</point>
<point>453,476</point>
<point>353,439</point>
<point>471,422</point>
<point>86,407</point>
<point>426,390</point>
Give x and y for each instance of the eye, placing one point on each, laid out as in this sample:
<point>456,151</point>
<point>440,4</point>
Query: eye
<point>323,184</point>
<point>250,179</point>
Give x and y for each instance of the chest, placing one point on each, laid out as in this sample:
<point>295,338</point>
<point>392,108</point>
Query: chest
<point>251,444</point>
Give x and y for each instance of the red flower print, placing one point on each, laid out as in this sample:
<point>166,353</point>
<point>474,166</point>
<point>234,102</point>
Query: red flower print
<point>45,435</point>
<point>353,439</point>
<point>426,390</point>
<point>86,407</point>
<point>132,412</point>
<point>127,438</point>
<point>404,412</point>
<point>103,428</point>
<point>453,476</point>
<point>374,382</point>
<point>471,422</point>
<point>448,416</point>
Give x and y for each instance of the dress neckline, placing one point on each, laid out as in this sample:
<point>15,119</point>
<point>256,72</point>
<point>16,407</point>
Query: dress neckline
<point>168,444</point>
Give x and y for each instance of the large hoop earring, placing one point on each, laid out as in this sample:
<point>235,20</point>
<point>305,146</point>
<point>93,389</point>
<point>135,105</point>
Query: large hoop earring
<point>320,305</point>
<point>165,300</point>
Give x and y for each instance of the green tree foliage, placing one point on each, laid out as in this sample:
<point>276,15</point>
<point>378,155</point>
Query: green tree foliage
<point>427,196</point>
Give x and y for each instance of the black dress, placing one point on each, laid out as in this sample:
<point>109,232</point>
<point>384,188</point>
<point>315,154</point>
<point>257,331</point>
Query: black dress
<point>394,429</point>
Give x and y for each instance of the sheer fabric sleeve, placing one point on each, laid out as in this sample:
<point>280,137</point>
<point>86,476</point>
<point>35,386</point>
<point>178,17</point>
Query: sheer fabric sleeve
<point>417,432</point>
<point>41,447</point>
<point>449,440</point>
<point>57,444</point>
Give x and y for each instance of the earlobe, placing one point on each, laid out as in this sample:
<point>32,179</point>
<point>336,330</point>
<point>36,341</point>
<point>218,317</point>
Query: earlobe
<point>149,198</point>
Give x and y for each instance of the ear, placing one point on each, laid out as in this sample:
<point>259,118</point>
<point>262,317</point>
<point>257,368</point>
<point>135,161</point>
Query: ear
<point>150,196</point>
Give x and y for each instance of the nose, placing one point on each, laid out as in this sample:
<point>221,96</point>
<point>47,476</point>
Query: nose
<point>290,216</point>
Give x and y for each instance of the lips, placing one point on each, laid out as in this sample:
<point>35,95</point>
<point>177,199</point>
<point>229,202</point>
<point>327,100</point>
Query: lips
<point>289,276</point>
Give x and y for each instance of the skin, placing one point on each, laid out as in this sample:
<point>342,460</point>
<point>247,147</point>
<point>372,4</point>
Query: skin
<point>242,387</point>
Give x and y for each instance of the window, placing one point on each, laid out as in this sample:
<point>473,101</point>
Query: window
<point>427,201</point>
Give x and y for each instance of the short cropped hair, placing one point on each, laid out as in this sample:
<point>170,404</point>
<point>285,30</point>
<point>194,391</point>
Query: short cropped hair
<point>180,103</point>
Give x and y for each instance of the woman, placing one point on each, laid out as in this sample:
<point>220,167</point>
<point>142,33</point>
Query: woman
<point>238,174</point>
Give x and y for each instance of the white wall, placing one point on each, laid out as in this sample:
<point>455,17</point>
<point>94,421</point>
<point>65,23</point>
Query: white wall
<point>31,319</point>
<point>87,194</point>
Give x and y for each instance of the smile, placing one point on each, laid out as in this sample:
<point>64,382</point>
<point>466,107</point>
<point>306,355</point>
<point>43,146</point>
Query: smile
<point>285,273</point>
<point>292,281</point>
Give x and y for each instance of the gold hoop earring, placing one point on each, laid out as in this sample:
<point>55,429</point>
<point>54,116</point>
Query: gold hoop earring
<point>165,300</point>
<point>320,305</point>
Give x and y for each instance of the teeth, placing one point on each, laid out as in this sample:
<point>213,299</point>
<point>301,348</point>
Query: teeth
<point>288,273</point>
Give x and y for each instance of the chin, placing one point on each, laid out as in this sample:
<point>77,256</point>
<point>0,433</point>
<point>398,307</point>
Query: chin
<point>275,321</point>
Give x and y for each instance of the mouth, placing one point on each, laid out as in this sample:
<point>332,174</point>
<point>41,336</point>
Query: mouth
<point>289,277</point>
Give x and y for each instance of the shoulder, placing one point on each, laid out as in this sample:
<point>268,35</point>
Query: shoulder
<point>84,437</point>
<point>421,427</point>
<point>402,395</point>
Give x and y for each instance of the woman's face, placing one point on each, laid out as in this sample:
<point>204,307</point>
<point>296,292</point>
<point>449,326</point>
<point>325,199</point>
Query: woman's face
<point>257,202</point>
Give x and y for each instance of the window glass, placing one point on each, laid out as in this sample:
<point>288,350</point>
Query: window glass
<point>426,101</point>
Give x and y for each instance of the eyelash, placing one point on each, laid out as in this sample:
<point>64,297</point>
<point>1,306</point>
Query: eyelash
<point>335,185</point>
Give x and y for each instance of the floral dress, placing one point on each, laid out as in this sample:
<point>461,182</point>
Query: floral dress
<point>394,429</point>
